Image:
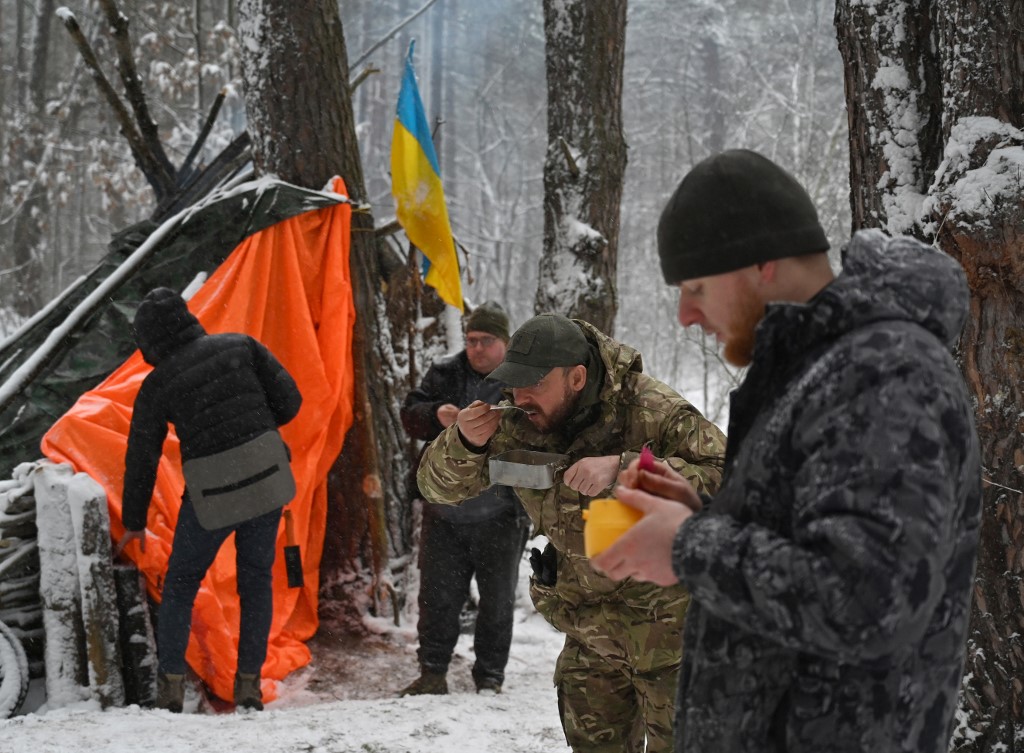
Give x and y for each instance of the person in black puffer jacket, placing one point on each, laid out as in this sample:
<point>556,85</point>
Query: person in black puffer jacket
<point>484,536</point>
<point>220,391</point>
<point>832,573</point>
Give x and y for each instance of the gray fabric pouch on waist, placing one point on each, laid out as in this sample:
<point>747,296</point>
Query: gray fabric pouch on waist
<point>241,483</point>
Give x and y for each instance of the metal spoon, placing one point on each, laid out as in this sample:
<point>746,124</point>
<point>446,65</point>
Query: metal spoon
<point>513,407</point>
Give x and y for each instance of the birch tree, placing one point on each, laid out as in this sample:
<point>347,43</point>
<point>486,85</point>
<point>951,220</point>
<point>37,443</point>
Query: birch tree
<point>936,150</point>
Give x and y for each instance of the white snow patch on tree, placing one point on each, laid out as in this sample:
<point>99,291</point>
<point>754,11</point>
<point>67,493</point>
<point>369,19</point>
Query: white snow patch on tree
<point>902,198</point>
<point>576,231</point>
<point>970,194</point>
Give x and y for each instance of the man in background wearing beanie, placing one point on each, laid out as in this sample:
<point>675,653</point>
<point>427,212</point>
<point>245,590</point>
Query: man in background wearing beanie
<point>831,574</point>
<point>585,396</point>
<point>484,536</point>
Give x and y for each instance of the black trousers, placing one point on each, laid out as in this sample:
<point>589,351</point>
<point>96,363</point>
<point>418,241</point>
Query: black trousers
<point>450,555</point>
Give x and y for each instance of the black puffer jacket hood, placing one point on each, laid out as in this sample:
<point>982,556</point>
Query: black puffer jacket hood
<point>163,324</point>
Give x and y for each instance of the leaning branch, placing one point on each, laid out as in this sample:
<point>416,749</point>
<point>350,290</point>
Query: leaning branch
<point>203,134</point>
<point>389,229</point>
<point>380,43</point>
<point>124,119</point>
<point>363,75</point>
<point>133,87</point>
<point>230,160</point>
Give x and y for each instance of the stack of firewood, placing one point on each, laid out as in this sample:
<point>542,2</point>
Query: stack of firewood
<point>21,607</point>
<point>84,622</point>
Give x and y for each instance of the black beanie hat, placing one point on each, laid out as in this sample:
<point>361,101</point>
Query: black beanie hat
<point>733,210</point>
<point>488,317</point>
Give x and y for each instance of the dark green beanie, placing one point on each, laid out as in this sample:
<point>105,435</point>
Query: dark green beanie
<point>488,317</point>
<point>733,210</point>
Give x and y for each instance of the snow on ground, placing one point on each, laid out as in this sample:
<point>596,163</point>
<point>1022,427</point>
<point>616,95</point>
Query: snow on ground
<point>343,702</point>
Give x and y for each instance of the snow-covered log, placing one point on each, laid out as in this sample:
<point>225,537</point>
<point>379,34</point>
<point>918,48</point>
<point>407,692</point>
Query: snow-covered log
<point>136,638</point>
<point>79,603</point>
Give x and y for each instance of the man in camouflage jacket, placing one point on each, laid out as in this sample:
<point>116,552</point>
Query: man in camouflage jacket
<point>831,574</point>
<point>588,399</point>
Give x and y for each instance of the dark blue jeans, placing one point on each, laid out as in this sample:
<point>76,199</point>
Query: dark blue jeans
<point>450,555</point>
<point>192,553</point>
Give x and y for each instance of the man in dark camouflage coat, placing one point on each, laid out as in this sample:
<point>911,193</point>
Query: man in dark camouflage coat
<point>831,574</point>
<point>587,398</point>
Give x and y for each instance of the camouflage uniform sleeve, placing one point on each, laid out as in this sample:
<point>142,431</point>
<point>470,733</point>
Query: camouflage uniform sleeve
<point>682,437</point>
<point>449,471</point>
<point>699,453</point>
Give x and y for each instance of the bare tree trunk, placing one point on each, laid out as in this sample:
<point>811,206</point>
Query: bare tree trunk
<point>953,81</point>
<point>23,288</point>
<point>303,130</point>
<point>586,159</point>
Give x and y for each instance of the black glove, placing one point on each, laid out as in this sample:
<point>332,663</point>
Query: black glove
<point>544,564</point>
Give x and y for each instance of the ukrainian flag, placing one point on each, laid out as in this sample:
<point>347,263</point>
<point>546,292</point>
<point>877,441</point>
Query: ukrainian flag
<point>419,197</point>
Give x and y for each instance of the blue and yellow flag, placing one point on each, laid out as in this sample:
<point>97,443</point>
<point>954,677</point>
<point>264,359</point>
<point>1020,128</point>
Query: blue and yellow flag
<point>419,197</point>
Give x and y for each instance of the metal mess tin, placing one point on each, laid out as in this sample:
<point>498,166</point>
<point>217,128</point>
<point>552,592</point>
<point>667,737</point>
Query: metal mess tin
<point>526,468</point>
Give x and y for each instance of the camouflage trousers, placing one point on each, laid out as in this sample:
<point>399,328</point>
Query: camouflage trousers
<point>616,675</point>
<point>606,707</point>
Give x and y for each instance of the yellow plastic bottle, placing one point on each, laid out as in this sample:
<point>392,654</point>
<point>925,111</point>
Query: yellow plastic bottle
<point>604,522</point>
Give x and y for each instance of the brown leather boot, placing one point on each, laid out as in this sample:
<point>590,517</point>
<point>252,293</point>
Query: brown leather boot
<point>248,694</point>
<point>428,683</point>
<point>170,692</point>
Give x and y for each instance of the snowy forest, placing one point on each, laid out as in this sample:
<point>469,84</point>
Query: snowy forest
<point>898,114</point>
<point>698,77</point>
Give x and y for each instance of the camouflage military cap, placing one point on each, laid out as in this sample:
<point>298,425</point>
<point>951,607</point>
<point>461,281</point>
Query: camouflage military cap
<point>541,344</point>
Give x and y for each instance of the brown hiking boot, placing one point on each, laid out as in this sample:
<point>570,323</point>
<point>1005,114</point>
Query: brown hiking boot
<point>248,694</point>
<point>170,692</point>
<point>428,683</point>
<point>488,686</point>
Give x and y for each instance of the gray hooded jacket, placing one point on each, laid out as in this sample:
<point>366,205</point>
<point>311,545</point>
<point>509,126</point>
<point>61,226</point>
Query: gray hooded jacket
<point>831,574</point>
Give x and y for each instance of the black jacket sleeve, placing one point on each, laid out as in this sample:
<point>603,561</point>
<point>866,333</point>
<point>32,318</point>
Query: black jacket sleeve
<point>419,410</point>
<point>283,394</point>
<point>145,445</point>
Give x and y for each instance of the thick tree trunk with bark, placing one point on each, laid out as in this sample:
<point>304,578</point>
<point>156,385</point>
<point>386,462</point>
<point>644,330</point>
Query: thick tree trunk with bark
<point>936,117</point>
<point>893,107</point>
<point>303,130</point>
<point>586,159</point>
<point>983,112</point>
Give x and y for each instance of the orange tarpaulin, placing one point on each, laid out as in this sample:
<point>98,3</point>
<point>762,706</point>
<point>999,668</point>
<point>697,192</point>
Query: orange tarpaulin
<point>289,287</point>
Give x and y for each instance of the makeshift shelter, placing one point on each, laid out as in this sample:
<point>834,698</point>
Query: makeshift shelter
<point>78,339</point>
<point>286,282</point>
